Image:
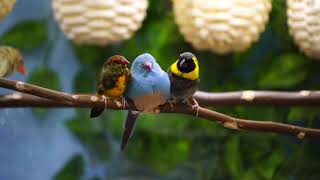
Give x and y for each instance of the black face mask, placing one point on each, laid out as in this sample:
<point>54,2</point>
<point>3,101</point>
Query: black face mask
<point>186,65</point>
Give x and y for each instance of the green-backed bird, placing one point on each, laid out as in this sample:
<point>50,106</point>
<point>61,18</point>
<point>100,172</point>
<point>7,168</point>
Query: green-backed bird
<point>184,78</point>
<point>149,88</point>
<point>11,60</point>
<point>113,82</point>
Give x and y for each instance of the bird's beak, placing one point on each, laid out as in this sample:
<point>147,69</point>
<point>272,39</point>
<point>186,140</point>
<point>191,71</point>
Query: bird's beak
<point>125,62</point>
<point>148,66</point>
<point>22,69</point>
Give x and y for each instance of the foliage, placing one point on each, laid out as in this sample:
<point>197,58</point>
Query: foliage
<point>26,35</point>
<point>182,147</point>
<point>47,78</point>
<point>73,169</point>
<point>91,135</point>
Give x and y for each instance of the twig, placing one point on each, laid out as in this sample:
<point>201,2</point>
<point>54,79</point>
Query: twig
<point>59,99</point>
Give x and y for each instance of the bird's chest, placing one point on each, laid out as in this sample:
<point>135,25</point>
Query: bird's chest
<point>118,89</point>
<point>5,68</point>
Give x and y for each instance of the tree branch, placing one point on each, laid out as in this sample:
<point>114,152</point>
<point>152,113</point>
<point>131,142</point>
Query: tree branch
<point>42,97</point>
<point>274,98</point>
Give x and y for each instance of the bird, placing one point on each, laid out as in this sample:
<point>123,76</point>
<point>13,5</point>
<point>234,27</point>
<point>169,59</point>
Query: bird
<point>185,80</point>
<point>11,60</point>
<point>113,82</point>
<point>149,88</point>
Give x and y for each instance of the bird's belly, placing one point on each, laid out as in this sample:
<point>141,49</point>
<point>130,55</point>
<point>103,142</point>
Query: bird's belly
<point>147,103</point>
<point>182,89</point>
<point>118,90</point>
<point>114,92</point>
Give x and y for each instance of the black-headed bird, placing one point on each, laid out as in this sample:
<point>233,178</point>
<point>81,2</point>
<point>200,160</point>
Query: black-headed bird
<point>11,60</point>
<point>149,88</point>
<point>113,82</point>
<point>184,78</point>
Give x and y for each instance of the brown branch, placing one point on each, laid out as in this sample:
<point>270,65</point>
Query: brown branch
<point>39,95</point>
<point>274,98</point>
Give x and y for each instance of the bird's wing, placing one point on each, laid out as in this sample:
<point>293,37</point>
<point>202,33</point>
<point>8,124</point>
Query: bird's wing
<point>138,86</point>
<point>161,83</point>
<point>128,128</point>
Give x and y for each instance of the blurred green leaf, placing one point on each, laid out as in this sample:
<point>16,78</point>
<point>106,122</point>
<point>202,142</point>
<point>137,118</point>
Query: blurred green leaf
<point>26,35</point>
<point>89,54</point>
<point>85,81</point>
<point>233,156</point>
<point>73,170</point>
<point>91,135</point>
<point>163,148</point>
<point>285,71</point>
<point>278,17</point>
<point>44,77</point>
<point>302,113</point>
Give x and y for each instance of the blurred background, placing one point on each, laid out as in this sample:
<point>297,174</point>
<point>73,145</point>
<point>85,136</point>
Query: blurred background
<point>66,144</point>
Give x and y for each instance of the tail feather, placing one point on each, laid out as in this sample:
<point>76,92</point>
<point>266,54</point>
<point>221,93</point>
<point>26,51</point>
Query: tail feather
<point>96,111</point>
<point>128,128</point>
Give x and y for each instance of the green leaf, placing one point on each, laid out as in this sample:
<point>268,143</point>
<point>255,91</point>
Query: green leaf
<point>285,71</point>
<point>92,136</point>
<point>73,170</point>
<point>303,113</point>
<point>85,81</point>
<point>26,35</point>
<point>47,78</point>
<point>88,54</point>
<point>233,156</point>
<point>167,151</point>
<point>279,18</point>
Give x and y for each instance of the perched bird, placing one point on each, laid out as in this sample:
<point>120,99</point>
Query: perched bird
<point>11,60</point>
<point>113,82</point>
<point>149,88</point>
<point>184,78</point>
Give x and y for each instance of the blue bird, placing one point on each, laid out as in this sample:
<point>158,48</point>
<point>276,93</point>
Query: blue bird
<point>149,88</point>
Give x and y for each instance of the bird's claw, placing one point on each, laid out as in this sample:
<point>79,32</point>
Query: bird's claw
<point>105,99</point>
<point>195,106</point>
<point>171,102</point>
<point>124,102</point>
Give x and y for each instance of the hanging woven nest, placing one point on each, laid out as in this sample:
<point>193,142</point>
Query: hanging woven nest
<point>222,26</point>
<point>99,22</point>
<point>304,25</point>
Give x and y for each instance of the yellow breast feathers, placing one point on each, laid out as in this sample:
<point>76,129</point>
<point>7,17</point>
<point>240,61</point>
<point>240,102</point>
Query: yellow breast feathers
<point>193,75</point>
<point>119,88</point>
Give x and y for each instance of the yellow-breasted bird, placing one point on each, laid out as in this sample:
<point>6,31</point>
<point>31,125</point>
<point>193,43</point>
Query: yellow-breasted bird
<point>184,78</point>
<point>113,82</point>
<point>11,60</point>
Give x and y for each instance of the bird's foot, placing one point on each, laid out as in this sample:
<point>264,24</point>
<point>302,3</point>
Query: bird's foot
<point>105,99</point>
<point>195,106</point>
<point>124,102</point>
<point>172,101</point>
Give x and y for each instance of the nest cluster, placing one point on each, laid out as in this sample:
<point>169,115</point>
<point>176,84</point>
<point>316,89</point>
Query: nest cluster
<point>99,22</point>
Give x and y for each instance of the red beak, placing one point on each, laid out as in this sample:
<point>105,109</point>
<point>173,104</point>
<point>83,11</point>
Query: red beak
<point>148,66</point>
<point>125,62</point>
<point>22,69</point>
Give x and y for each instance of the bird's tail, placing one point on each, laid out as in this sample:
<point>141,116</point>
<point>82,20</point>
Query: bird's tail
<point>128,128</point>
<point>96,111</point>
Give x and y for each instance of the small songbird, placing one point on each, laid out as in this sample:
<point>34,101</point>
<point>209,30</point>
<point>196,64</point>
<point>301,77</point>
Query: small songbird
<point>11,60</point>
<point>184,78</point>
<point>113,82</point>
<point>149,88</point>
